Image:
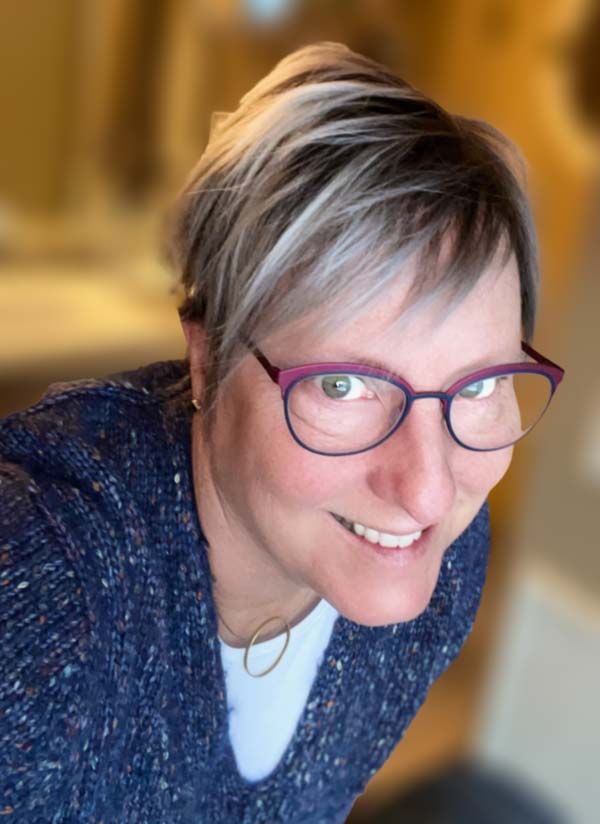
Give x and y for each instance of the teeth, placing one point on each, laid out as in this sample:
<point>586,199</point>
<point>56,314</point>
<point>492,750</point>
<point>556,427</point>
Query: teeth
<point>384,539</point>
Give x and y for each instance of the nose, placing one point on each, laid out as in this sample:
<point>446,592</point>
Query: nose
<point>412,470</point>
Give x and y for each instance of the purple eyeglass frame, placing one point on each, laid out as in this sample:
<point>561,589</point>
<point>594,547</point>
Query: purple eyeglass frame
<point>287,378</point>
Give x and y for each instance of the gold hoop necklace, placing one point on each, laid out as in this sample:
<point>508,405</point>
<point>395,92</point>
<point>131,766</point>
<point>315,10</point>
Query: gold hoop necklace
<point>249,644</point>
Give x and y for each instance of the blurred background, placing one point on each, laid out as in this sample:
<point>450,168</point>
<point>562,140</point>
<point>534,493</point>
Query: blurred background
<point>106,105</point>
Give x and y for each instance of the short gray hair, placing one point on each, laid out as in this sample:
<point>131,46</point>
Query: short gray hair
<point>330,174</point>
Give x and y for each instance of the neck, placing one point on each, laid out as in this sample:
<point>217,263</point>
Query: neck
<point>247,589</point>
<point>240,614</point>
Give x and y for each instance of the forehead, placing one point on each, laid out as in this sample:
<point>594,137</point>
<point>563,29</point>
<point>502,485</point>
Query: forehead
<point>433,335</point>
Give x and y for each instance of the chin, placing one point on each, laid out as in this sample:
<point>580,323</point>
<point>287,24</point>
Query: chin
<point>397,610</point>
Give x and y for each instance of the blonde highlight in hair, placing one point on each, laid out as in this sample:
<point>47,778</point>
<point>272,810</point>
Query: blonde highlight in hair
<point>327,178</point>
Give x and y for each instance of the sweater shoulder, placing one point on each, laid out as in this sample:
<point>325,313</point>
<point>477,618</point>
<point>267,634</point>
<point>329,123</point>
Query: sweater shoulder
<point>112,423</point>
<point>78,402</point>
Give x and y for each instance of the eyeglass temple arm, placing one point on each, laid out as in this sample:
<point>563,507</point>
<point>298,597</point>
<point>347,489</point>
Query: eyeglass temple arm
<point>540,358</point>
<point>272,371</point>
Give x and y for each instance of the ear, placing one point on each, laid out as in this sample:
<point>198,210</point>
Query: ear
<point>195,337</point>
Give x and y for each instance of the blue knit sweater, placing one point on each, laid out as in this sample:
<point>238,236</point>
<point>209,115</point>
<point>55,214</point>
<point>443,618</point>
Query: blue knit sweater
<point>112,695</point>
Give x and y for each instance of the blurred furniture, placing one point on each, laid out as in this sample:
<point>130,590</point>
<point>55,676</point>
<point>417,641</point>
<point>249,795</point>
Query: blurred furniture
<point>57,325</point>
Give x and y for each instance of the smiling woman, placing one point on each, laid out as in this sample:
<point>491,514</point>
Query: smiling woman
<point>229,582</point>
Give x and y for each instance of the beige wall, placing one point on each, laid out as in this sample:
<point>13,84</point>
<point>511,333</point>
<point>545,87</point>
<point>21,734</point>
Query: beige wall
<point>37,73</point>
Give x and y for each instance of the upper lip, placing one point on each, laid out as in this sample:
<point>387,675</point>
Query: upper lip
<point>399,533</point>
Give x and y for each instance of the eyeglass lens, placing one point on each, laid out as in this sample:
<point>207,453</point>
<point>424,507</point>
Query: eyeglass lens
<point>341,413</point>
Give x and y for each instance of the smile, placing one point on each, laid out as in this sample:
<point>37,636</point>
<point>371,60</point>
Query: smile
<point>374,536</point>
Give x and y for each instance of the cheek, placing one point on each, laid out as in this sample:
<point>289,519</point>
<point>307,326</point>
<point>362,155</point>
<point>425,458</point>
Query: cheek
<point>302,478</point>
<point>479,472</point>
<point>257,452</point>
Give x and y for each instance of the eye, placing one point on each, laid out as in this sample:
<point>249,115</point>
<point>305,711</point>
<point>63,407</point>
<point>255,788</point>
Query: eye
<point>344,387</point>
<point>479,389</point>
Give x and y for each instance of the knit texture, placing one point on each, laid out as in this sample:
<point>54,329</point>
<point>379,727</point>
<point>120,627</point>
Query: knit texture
<point>112,693</point>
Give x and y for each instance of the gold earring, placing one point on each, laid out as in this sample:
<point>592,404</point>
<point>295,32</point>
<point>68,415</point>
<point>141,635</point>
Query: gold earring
<point>197,405</point>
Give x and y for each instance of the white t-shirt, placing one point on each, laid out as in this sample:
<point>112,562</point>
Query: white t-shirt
<point>264,712</point>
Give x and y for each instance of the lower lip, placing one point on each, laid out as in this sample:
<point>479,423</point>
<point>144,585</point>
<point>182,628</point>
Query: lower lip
<point>401,556</point>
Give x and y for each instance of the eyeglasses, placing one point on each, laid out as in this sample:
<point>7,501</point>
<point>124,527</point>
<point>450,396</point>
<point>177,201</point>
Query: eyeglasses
<point>347,408</point>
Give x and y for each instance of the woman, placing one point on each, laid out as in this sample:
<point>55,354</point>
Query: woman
<point>229,582</point>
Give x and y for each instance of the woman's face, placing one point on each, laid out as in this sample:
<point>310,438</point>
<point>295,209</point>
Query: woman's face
<point>268,505</point>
